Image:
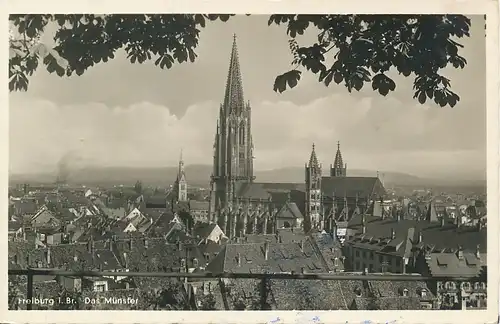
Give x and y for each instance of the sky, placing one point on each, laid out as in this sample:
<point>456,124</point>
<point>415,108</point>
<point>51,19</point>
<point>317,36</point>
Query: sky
<point>123,114</point>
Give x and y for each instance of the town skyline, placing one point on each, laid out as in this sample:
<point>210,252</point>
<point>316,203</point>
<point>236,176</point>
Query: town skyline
<point>376,133</point>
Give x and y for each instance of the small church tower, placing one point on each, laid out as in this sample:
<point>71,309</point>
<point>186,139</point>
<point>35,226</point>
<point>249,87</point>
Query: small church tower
<point>180,182</point>
<point>338,169</point>
<point>313,192</point>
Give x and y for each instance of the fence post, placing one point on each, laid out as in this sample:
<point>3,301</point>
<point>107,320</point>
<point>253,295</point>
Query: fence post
<point>29,292</point>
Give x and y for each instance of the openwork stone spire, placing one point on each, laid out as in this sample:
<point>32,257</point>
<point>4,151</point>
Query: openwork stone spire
<point>233,98</point>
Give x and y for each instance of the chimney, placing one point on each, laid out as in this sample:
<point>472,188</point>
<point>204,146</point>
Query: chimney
<point>179,246</point>
<point>48,256</point>
<point>363,229</point>
<point>146,243</point>
<point>393,234</point>
<point>302,270</point>
<point>442,221</point>
<point>266,250</point>
<point>238,259</point>
<point>125,260</point>
<point>363,220</point>
<point>460,253</point>
<point>130,244</point>
<point>302,245</point>
<point>127,285</point>
<point>420,240</point>
<point>264,229</point>
<point>478,253</point>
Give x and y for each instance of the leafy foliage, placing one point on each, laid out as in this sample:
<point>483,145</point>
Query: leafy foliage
<point>208,302</point>
<point>358,49</point>
<point>351,49</point>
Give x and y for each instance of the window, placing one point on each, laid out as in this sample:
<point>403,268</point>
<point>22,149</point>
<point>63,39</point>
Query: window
<point>423,293</point>
<point>336,262</point>
<point>398,262</point>
<point>357,254</point>
<point>357,266</point>
<point>381,259</point>
<point>364,254</point>
<point>100,287</point>
<point>372,255</point>
<point>405,292</point>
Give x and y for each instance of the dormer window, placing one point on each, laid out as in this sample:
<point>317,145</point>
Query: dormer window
<point>405,292</point>
<point>423,293</point>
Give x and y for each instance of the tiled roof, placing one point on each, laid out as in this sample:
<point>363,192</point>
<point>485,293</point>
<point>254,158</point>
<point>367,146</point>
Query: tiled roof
<point>282,186</point>
<point>158,255</point>
<point>387,303</point>
<point>252,191</point>
<point>448,264</point>
<point>433,233</point>
<point>352,186</point>
<point>14,226</point>
<point>288,235</point>
<point>330,249</point>
<point>261,238</point>
<point>279,197</point>
<point>308,295</point>
<point>156,201</point>
<point>198,205</point>
<point>203,230</point>
<point>26,207</point>
<point>282,257</point>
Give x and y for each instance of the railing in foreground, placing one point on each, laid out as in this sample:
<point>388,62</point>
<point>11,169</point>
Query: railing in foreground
<point>31,272</point>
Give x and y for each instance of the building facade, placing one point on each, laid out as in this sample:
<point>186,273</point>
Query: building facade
<point>239,204</point>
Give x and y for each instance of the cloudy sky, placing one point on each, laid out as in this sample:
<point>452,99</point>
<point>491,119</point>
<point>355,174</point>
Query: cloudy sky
<point>122,114</point>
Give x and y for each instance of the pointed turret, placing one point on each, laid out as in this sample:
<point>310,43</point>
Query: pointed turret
<point>313,160</point>
<point>338,168</point>
<point>313,193</point>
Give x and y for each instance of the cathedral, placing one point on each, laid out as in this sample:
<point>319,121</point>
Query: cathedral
<point>240,205</point>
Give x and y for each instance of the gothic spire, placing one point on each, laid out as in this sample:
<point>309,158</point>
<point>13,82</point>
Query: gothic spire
<point>180,172</point>
<point>313,160</point>
<point>233,98</point>
<point>338,163</point>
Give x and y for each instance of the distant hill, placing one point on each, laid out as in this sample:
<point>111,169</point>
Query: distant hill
<point>199,175</point>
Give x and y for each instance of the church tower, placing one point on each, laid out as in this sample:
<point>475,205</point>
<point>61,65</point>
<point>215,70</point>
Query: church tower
<point>338,169</point>
<point>313,192</point>
<point>180,182</point>
<point>233,147</point>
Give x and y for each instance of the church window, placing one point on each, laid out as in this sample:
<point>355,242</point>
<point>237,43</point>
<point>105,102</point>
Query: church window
<point>242,134</point>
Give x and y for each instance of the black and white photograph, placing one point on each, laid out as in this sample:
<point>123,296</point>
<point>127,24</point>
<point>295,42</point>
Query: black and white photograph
<point>248,162</point>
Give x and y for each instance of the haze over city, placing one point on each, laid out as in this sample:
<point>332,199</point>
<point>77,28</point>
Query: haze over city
<point>122,114</point>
